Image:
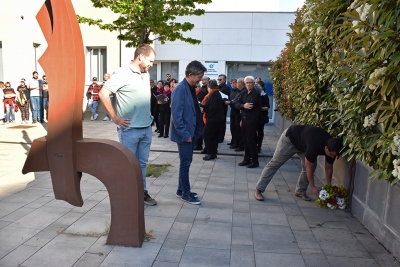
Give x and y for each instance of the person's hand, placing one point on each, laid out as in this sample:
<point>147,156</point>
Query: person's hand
<point>227,102</point>
<point>121,121</point>
<point>201,109</point>
<point>189,140</point>
<point>158,102</point>
<point>165,99</point>
<point>248,105</point>
<point>240,123</point>
<point>316,190</point>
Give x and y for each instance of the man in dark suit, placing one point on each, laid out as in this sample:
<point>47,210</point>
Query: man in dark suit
<point>186,126</point>
<point>223,88</point>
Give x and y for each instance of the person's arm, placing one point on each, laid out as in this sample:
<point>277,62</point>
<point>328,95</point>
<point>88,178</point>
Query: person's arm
<point>328,172</point>
<point>177,104</point>
<point>105,99</point>
<point>310,176</point>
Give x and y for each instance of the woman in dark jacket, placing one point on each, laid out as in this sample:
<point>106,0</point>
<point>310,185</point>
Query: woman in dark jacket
<point>213,117</point>
<point>165,110</point>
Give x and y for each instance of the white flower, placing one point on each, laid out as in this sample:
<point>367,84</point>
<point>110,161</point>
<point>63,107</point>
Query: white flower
<point>395,173</point>
<point>340,201</point>
<point>342,207</point>
<point>353,5</point>
<point>370,120</point>
<point>396,144</point>
<point>330,206</point>
<point>363,11</point>
<point>323,195</point>
<point>308,97</point>
<point>320,30</point>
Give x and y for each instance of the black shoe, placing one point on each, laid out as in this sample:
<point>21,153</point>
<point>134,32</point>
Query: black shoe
<point>160,136</point>
<point>156,130</point>
<point>34,121</point>
<point>191,199</point>
<point>239,149</point>
<point>179,193</point>
<point>197,148</point>
<point>230,143</point>
<point>244,163</point>
<point>203,151</point>
<point>210,157</point>
<point>233,146</point>
<point>166,136</point>
<point>42,121</point>
<point>258,150</point>
<point>149,200</point>
<point>254,164</point>
<point>220,140</point>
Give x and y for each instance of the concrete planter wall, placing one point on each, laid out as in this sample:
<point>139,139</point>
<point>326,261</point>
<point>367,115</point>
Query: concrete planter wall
<point>375,203</point>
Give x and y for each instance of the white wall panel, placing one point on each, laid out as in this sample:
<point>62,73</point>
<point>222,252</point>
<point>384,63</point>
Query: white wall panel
<point>265,53</point>
<point>174,52</point>
<point>272,20</point>
<point>226,52</point>
<point>269,37</point>
<point>228,20</point>
<point>226,36</point>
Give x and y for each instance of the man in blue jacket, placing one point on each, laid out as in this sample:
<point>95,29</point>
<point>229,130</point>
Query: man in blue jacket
<point>186,126</point>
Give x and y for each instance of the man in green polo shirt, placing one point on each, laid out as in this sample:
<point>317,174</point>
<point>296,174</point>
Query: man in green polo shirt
<point>131,85</point>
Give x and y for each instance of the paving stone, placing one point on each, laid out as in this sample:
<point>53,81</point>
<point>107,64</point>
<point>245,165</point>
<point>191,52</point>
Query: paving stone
<point>385,259</point>
<point>180,231</point>
<point>39,202</point>
<point>126,256</point>
<point>292,209</point>
<point>274,238</point>
<point>370,243</point>
<point>349,261</point>
<point>242,256</point>
<point>315,259</point>
<point>210,235</point>
<point>220,182</point>
<point>7,208</point>
<point>241,219</point>
<point>98,196</point>
<point>215,212</point>
<point>4,224</point>
<point>165,208</point>
<point>172,250</point>
<point>305,239</point>
<point>12,237</point>
<point>218,195</point>
<point>281,260</point>
<point>100,247</point>
<point>65,221</point>
<point>41,217</point>
<point>87,205</point>
<point>72,248</point>
<point>93,223</point>
<point>18,214</point>
<point>241,196</point>
<point>165,264</point>
<point>242,207</point>
<point>90,260</point>
<point>18,256</point>
<point>272,215</point>
<point>200,257</point>
<point>159,226</point>
<point>297,223</point>
<point>242,236</point>
<point>187,214</point>
<point>44,236</point>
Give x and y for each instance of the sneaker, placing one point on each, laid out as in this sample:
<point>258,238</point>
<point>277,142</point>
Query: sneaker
<point>106,118</point>
<point>14,122</point>
<point>95,116</point>
<point>7,122</point>
<point>34,121</point>
<point>179,194</point>
<point>91,118</point>
<point>42,121</point>
<point>1,122</point>
<point>149,200</point>
<point>191,199</point>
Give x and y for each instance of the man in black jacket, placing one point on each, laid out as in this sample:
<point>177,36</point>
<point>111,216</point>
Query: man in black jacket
<point>234,113</point>
<point>223,88</point>
<point>153,103</point>
<point>249,104</point>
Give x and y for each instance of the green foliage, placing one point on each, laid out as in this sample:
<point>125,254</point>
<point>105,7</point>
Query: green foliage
<point>138,19</point>
<point>156,170</point>
<point>340,71</point>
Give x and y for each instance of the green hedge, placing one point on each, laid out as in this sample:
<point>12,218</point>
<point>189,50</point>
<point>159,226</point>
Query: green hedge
<point>340,71</point>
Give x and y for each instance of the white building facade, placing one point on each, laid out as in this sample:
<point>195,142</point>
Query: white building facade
<point>233,43</point>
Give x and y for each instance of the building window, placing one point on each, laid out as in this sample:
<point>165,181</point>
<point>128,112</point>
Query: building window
<point>153,72</point>
<point>242,69</point>
<point>97,61</point>
<point>1,62</point>
<point>170,68</point>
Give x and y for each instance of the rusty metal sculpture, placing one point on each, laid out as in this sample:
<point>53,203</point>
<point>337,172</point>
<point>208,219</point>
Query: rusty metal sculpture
<point>64,152</point>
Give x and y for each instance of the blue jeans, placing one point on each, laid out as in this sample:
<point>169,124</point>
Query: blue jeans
<point>36,103</point>
<point>185,157</point>
<point>93,106</point>
<point>111,99</point>
<point>45,106</point>
<point>9,110</point>
<point>138,141</point>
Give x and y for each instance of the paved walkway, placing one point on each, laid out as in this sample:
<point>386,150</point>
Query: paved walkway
<point>229,228</point>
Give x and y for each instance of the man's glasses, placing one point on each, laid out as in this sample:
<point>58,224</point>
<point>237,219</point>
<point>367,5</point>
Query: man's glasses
<point>249,82</point>
<point>219,79</point>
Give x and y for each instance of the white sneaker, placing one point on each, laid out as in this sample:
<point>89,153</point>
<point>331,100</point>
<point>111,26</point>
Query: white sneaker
<point>1,122</point>
<point>95,116</point>
<point>106,118</point>
<point>91,118</point>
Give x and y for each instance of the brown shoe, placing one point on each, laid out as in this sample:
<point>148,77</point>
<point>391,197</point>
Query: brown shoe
<point>258,195</point>
<point>303,196</point>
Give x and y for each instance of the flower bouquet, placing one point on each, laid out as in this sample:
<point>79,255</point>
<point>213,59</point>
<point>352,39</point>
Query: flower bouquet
<point>333,197</point>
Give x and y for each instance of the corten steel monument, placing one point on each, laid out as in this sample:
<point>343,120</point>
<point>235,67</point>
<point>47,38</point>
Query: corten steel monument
<point>64,152</point>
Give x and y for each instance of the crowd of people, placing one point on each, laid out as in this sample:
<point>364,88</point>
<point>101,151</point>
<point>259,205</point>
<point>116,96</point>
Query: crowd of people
<point>31,95</point>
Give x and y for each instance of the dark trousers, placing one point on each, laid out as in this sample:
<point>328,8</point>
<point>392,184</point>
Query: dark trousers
<point>222,126</point>
<point>249,133</point>
<point>156,112</point>
<point>185,160</point>
<point>165,120</point>
<point>238,129</point>
<point>199,142</point>
<point>210,136</point>
<point>260,133</point>
<point>232,127</point>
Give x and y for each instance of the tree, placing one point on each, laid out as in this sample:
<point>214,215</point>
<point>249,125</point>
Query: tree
<point>139,18</point>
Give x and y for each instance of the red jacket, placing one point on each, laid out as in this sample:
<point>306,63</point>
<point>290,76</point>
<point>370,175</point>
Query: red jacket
<point>94,88</point>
